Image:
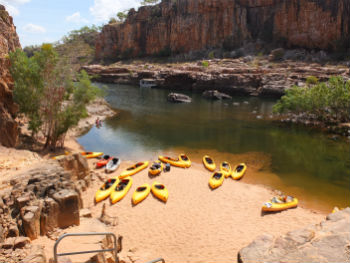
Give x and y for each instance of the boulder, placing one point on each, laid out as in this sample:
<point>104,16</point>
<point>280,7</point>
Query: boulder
<point>76,164</point>
<point>326,242</point>
<point>215,95</point>
<point>85,213</point>
<point>21,242</point>
<point>179,98</point>
<point>8,244</point>
<point>13,231</point>
<point>31,221</point>
<point>68,201</point>
<point>277,54</point>
<point>36,255</point>
<point>49,216</point>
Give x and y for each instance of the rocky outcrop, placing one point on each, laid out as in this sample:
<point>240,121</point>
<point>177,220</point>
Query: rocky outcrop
<point>327,242</point>
<point>8,42</point>
<point>243,76</point>
<point>181,26</point>
<point>40,200</point>
<point>178,98</point>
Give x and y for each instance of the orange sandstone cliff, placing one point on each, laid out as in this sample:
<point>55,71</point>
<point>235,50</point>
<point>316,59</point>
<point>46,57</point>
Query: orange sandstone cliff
<point>181,26</point>
<point>8,42</point>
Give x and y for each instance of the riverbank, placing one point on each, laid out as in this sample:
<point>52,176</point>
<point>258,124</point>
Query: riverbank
<point>247,76</point>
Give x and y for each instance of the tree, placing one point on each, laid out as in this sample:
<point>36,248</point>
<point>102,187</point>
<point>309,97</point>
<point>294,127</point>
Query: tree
<point>122,16</point>
<point>46,94</point>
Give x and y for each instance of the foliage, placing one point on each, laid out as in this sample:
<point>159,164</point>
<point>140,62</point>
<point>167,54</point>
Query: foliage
<point>326,101</point>
<point>311,80</point>
<point>165,52</point>
<point>211,55</point>
<point>205,63</point>
<point>112,20</point>
<point>46,94</point>
<point>149,2</point>
<point>122,16</point>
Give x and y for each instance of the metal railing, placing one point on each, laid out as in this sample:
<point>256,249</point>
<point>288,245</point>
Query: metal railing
<point>114,249</point>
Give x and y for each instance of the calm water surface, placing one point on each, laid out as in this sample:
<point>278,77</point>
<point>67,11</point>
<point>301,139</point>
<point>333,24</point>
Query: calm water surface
<point>306,162</point>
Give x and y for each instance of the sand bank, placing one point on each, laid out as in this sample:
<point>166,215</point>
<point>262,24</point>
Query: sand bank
<point>196,224</point>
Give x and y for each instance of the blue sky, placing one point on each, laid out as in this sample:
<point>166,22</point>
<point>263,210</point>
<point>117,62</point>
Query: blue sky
<point>39,21</point>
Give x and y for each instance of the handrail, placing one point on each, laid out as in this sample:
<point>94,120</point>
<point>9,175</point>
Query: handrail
<point>157,260</point>
<point>56,255</point>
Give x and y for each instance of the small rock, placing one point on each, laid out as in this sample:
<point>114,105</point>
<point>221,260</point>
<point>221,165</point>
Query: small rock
<point>9,242</point>
<point>254,112</point>
<point>21,242</point>
<point>85,213</point>
<point>259,117</point>
<point>246,102</point>
<point>13,231</point>
<point>36,255</point>
<point>236,104</point>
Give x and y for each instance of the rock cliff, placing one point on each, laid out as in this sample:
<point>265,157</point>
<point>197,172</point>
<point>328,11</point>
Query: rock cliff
<point>181,26</point>
<point>8,42</point>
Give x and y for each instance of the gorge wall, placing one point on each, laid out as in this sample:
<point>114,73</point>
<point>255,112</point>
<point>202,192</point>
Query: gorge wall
<point>9,41</point>
<point>181,26</point>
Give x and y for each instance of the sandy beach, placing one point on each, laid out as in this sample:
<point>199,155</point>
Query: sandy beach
<point>197,224</point>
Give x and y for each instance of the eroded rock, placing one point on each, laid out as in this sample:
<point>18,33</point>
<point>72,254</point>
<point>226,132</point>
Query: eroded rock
<point>327,242</point>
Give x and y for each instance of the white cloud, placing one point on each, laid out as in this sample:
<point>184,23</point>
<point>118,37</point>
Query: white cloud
<point>31,28</point>
<point>76,18</point>
<point>102,10</point>
<point>12,5</point>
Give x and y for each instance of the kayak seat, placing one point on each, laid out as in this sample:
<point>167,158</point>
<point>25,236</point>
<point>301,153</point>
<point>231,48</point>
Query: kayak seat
<point>239,168</point>
<point>210,161</point>
<point>141,189</point>
<point>217,176</point>
<point>160,186</point>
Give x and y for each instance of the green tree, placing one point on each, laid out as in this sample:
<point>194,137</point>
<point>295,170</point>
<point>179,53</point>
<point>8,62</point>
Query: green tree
<point>46,94</point>
<point>122,16</point>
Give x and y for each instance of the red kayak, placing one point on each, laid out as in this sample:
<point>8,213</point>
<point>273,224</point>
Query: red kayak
<point>103,162</point>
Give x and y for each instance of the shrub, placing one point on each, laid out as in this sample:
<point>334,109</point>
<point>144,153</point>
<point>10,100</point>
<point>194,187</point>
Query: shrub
<point>205,63</point>
<point>327,100</point>
<point>311,80</point>
<point>211,55</point>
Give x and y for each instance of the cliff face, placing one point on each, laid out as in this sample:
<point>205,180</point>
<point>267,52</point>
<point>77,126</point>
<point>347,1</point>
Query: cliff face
<point>8,42</point>
<point>180,26</point>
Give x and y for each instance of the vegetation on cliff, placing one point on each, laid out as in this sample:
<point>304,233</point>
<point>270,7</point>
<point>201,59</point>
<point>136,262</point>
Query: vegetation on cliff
<point>326,101</point>
<point>46,94</point>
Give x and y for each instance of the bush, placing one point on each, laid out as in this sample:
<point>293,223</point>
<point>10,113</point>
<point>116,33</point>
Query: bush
<point>327,100</point>
<point>211,55</point>
<point>205,63</point>
<point>311,80</point>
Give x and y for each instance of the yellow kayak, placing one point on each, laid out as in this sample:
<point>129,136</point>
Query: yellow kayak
<point>225,168</point>
<point>156,168</point>
<point>216,180</point>
<point>61,156</point>
<point>106,189</point>
<point>121,189</point>
<point>279,204</point>
<point>185,159</point>
<point>209,163</point>
<point>141,193</point>
<point>239,171</point>
<point>134,169</point>
<point>159,190</point>
<point>172,161</point>
<point>90,155</point>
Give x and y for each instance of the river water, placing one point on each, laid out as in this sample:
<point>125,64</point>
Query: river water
<point>299,161</point>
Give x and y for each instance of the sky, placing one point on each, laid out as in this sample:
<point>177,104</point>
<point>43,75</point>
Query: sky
<point>39,21</point>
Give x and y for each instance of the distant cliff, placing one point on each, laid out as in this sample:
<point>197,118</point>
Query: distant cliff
<point>8,42</point>
<point>180,26</point>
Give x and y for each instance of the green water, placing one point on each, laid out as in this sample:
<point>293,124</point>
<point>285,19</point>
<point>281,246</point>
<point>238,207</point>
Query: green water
<point>148,125</point>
